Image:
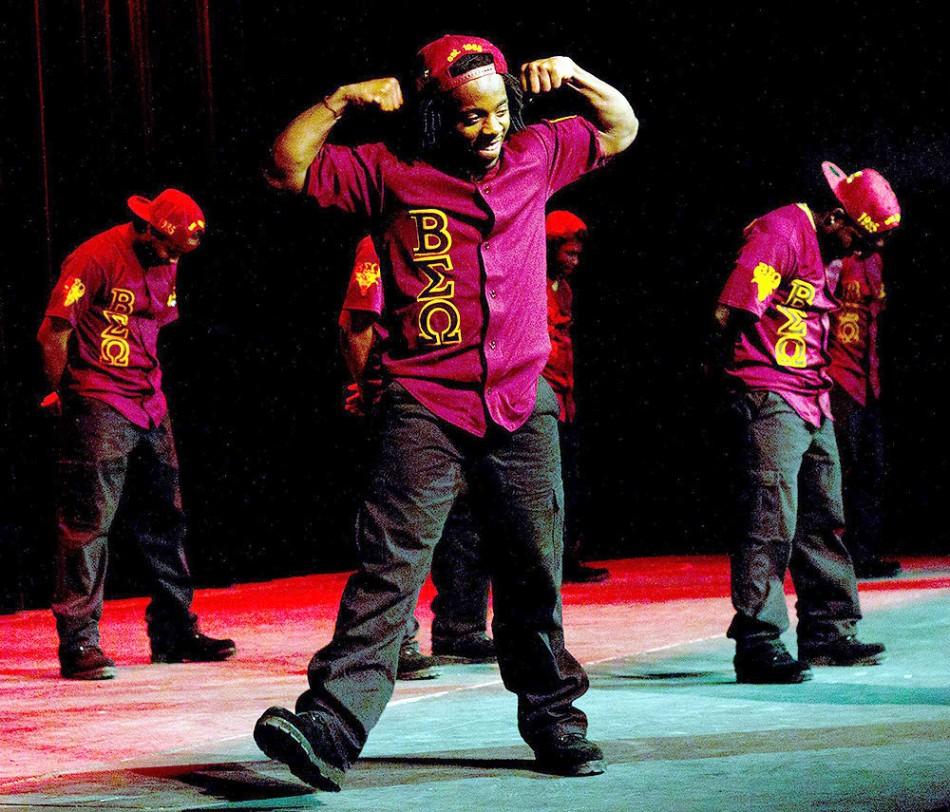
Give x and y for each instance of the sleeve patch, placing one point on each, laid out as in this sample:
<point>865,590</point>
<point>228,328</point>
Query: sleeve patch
<point>367,276</point>
<point>767,279</point>
<point>74,292</point>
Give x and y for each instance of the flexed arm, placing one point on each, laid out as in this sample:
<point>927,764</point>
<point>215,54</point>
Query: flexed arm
<point>613,115</point>
<point>298,145</point>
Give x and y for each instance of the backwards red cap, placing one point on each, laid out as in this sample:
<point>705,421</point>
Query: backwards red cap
<point>175,215</point>
<point>866,196</point>
<point>439,56</point>
<point>564,225</point>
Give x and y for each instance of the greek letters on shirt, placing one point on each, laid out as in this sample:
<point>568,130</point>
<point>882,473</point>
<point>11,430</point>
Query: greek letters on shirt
<point>114,350</point>
<point>790,346</point>
<point>439,320</point>
<point>848,327</point>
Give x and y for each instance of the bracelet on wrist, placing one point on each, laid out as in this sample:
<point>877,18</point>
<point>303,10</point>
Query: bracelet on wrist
<point>326,103</point>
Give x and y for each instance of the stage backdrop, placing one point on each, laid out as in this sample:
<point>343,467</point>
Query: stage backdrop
<point>102,99</point>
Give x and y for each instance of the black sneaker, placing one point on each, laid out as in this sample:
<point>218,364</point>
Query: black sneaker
<point>843,650</point>
<point>578,573</point>
<point>877,568</point>
<point>770,665</point>
<point>300,741</point>
<point>194,648</point>
<point>85,662</point>
<point>413,664</point>
<point>569,754</point>
<point>470,648</point>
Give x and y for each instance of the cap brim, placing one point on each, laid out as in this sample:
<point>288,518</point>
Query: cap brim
<point>140,206</point>
<point>834,174</point>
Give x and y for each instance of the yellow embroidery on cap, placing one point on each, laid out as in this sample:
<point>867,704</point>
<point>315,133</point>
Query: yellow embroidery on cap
<point>172,300</point>
<point>75,292</point>
<point>868,224</point>
<point>894,218</point>
<point>766,278</point>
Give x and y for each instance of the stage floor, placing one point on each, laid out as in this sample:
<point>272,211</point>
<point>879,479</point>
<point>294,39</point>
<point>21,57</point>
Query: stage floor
<point>678,732</point>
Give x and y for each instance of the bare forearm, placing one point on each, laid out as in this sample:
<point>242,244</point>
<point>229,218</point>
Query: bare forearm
<point>356,343</point>
<point>298,145</point>
<point>612,113</point>
<point>54,343</point>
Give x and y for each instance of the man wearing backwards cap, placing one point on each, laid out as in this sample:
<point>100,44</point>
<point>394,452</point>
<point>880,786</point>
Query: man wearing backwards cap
<point>459,222</point>
<point>98,339</point>
<point>566,234</point>
<point>774,313</point>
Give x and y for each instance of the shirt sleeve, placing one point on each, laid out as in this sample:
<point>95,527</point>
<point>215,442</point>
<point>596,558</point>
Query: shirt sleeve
<point>764,261</point>
<point>348,178</point>
<point>80,280</point>
<point>572,146</point>
<point>364,292</point>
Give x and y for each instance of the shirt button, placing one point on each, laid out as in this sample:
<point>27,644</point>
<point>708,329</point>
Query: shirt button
<point>490,391</point>
<point>487,246</point>
<point>487,190</point>
<point>491,344</point>
<point>492,293</point>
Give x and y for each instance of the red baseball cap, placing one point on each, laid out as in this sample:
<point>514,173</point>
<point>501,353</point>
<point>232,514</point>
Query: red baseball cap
<point>439,56</point>
<point>564,225</point>
<point>866,196</point>
<point>175,215</point>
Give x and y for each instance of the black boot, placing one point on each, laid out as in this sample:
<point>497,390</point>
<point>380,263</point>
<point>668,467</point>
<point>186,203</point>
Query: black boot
<point>769,663</point>
<point>569,754</point>
<point>193,647</point>
<point>303,743</point>
<point>843,650</point>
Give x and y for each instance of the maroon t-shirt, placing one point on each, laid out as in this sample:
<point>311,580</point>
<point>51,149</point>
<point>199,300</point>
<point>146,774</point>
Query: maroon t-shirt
<point>780,278</point>
<point>464,263</point>
<point>559,370</point>
<point>855,364</point>
<point>116,308</point>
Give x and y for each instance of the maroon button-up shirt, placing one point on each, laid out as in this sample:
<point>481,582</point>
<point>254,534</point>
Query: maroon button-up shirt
<point>781,279</point>
<point>855,363</point>
<point>463,265</point>
<point>116,308</point>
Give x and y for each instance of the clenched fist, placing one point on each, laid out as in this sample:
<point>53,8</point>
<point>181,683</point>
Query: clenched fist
<point>385,93</point>
<point>545,75</point>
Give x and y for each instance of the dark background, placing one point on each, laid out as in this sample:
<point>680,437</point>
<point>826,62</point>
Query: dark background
<point>738,107</point>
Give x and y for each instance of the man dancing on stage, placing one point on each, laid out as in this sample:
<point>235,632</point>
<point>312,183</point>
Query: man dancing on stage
<point>774,314</point>
<point>460,232</point>
<point>98,339</point>
<point>566,234</point>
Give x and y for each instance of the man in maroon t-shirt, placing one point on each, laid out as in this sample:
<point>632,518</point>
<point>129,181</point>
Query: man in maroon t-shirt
<point>99,342</point>
<point>566,235</point>
<point>458,220</point>
<point>856,404</point>
<point>774,314</point>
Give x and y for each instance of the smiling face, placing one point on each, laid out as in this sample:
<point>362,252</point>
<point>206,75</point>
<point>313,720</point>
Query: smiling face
<point>480,121</point>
